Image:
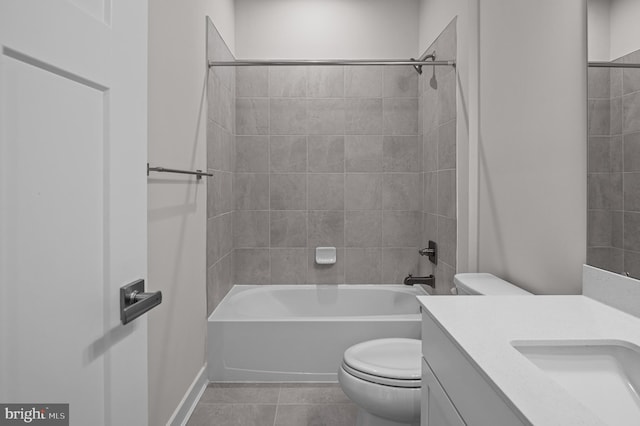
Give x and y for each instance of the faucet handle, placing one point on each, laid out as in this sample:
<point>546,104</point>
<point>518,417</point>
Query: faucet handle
<point>431,252</point>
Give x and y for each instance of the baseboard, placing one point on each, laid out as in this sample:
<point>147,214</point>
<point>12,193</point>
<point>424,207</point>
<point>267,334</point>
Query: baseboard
<point>190,399</point>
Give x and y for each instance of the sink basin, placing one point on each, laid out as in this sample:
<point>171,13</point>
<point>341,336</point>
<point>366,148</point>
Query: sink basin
<point>603,375</point>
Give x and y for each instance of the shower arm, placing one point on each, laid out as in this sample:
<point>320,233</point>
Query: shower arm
<point>423,59</point>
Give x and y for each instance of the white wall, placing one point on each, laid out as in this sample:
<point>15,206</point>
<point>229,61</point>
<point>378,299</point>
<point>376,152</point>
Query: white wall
<point>598,30</point>
<point>532,143</point>
<point>223,15</point>
<point>177,205</point>
<point>625,27</point>
<point>435,14</point>
<point>326,29</point>
<point>613,28</point>
<point>526,148</point>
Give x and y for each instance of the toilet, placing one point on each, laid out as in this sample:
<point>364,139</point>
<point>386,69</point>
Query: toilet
<point>383,376</point>
<point>485,285</point>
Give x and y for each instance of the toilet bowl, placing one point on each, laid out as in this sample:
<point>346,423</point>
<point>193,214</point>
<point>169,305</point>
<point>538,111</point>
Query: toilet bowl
<point>383,377</point>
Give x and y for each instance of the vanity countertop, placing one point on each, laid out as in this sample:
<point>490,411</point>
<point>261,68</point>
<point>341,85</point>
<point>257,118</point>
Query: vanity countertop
<point>483,327</point>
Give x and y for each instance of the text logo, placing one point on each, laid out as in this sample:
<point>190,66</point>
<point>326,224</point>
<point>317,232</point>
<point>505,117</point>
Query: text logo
<point>34,414</point>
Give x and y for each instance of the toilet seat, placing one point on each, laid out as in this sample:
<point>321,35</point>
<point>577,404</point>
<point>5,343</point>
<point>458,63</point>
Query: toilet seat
<point>391,362</point>
<point>386,381</point>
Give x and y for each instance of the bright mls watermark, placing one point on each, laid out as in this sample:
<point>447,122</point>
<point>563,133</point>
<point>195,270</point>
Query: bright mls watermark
<point>34,414</point>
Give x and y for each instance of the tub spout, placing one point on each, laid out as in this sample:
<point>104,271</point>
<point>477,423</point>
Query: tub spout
<point>428,280</point>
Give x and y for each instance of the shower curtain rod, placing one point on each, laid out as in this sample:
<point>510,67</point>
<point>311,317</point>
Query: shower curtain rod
<point>252,62</point>
<point>612,65</point>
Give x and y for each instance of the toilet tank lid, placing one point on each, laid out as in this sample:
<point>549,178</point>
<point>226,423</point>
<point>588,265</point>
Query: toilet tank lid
<point>486,284</point>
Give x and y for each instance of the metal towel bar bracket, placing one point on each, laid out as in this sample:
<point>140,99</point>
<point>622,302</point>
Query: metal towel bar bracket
<point>197,173</point>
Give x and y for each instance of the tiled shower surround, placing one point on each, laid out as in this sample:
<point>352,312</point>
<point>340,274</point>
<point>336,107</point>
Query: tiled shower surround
<point>333,156</point>
<point>613,168</point>
<point>438,129</point>
<point>220,162</point>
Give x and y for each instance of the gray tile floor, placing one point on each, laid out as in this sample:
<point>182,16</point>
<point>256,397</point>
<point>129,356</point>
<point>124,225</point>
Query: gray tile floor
<point>274,404</point>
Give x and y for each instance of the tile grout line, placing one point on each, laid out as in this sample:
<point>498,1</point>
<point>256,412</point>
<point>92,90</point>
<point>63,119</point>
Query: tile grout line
<point>275,415</point>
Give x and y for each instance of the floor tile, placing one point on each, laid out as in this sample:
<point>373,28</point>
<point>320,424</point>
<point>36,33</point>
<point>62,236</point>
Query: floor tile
<point>257,393</point>
<point>316,415</point>
<point>233,415</point>
<point>328,393</point>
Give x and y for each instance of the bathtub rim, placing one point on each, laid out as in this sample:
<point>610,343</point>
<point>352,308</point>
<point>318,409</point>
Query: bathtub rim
<point>240,288</point>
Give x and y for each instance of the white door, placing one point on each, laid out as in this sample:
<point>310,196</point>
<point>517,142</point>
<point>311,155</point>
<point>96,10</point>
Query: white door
<point>73,205</point>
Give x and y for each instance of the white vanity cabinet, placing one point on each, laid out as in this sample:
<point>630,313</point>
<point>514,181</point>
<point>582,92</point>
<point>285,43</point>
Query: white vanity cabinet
<point>454,393</point>
<point>436,409</point>
<point>482,361</point>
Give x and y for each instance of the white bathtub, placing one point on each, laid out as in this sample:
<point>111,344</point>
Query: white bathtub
<point>298,333</point>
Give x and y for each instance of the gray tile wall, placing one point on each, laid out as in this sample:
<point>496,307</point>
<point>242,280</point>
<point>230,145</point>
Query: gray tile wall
<point>613,168</point>
<point>221,151</point>
<point>438,127</point>
<point>327,156</point>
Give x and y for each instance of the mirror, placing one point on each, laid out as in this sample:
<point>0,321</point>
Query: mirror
<point>613,159</point>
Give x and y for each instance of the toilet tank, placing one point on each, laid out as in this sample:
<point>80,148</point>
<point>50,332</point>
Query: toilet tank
<point>485,284</point>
